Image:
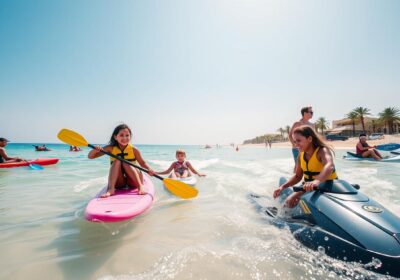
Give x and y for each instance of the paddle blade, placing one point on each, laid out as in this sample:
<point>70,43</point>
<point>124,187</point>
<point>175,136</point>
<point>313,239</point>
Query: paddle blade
<point>71,138</point>
<point>180,188</point>
<point>36,166</point>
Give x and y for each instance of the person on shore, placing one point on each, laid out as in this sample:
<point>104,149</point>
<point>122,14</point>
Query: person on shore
<point>181,167</point>
<point>4,158</point>
<point>315,163</point>
<point>364,150</point>
<point>306,115</point>
<point>122,174</point>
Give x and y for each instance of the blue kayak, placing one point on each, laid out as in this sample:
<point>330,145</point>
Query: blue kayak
<point>354,157</point>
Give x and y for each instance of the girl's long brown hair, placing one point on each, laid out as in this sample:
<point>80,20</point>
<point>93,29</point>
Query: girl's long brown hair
<point>317,141</point>
<point>114,142</point>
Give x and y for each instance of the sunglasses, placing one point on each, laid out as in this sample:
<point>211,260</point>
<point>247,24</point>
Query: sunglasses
<point>311,112</point>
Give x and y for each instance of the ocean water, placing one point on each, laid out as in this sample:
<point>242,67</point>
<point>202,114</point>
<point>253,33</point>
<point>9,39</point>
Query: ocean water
<point>220,234</point>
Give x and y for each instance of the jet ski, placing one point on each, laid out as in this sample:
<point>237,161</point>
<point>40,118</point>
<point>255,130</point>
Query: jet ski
<point>341,221</point>
<point>388,147</point>
<point>354,157</point>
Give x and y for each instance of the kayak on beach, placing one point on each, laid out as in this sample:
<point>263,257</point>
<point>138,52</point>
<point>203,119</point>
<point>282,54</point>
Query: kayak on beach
<point>340,221</point>
<point>40,161</point>
<point>123,205</point>
<point>354,157</point>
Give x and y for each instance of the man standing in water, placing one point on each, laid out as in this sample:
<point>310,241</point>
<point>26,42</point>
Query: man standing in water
<point>307,114</point>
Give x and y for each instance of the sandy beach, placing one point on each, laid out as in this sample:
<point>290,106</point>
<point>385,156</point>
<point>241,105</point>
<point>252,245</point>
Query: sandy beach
<point>349,144</point>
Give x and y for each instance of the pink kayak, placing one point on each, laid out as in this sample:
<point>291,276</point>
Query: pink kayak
<point>123,205</point>
<point>39,161</point>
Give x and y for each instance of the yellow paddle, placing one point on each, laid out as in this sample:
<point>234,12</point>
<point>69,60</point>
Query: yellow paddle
<point>177,188</point>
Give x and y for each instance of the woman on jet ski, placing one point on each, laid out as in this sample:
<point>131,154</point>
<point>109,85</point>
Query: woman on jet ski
<point>315,163</point>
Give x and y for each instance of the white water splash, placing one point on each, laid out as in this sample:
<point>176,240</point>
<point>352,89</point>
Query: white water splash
<point>95,182</point>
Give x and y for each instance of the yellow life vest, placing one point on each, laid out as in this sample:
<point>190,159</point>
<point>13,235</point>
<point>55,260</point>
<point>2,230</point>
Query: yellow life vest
<point>127,153</point>
<point>313,167</point>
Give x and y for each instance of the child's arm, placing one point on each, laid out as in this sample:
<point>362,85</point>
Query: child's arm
<point>292,181</point>
<point>141,161</point>
<point>166,171</point>
<point>194,171</point>
<point>95,153</point>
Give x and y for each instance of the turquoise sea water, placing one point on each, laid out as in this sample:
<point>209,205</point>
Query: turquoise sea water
<point>220,234</point>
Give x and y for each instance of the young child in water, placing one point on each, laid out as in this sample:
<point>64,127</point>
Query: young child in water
<point>315,163</point>
<point>122,174</point>
<point>180,167</point>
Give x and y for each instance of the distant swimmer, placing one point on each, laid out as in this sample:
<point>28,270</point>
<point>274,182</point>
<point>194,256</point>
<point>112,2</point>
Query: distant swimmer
<point>4,158</point>
<point>42,148</point>
<point>74,149</point>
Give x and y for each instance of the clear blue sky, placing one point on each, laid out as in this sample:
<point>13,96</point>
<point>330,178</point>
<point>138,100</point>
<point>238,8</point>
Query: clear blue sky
<point>191,72</point>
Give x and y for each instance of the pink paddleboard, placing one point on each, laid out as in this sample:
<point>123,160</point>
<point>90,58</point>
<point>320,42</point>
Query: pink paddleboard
<point>123,205</point>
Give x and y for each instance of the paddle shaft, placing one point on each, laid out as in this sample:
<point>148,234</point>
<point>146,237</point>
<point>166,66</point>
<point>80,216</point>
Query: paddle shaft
<point>127,162</point>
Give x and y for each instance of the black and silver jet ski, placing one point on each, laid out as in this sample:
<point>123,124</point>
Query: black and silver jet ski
<point>346,223</point>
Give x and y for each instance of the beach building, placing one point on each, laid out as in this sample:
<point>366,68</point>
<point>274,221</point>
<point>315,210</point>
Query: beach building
<point>372,125</point>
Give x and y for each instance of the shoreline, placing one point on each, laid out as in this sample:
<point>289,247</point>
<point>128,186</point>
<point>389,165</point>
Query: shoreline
<point>349,144</point>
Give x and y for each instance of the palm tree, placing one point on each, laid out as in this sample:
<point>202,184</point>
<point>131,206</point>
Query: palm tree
<point>361,113</point>
<point>353,117</point>
<point>321,123</point>
<point>281,131</point>
<point>389,115</point>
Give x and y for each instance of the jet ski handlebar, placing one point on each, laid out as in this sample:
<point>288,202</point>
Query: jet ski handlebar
<point>332,186</point>
<point>301,188</point>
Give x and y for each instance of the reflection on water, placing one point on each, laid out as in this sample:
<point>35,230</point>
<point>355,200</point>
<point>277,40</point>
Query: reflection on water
<point>218,235</point>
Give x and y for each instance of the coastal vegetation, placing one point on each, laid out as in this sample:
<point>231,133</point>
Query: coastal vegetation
<point>321,124</point>
<point>389,117</point>
<point>267,137</point>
